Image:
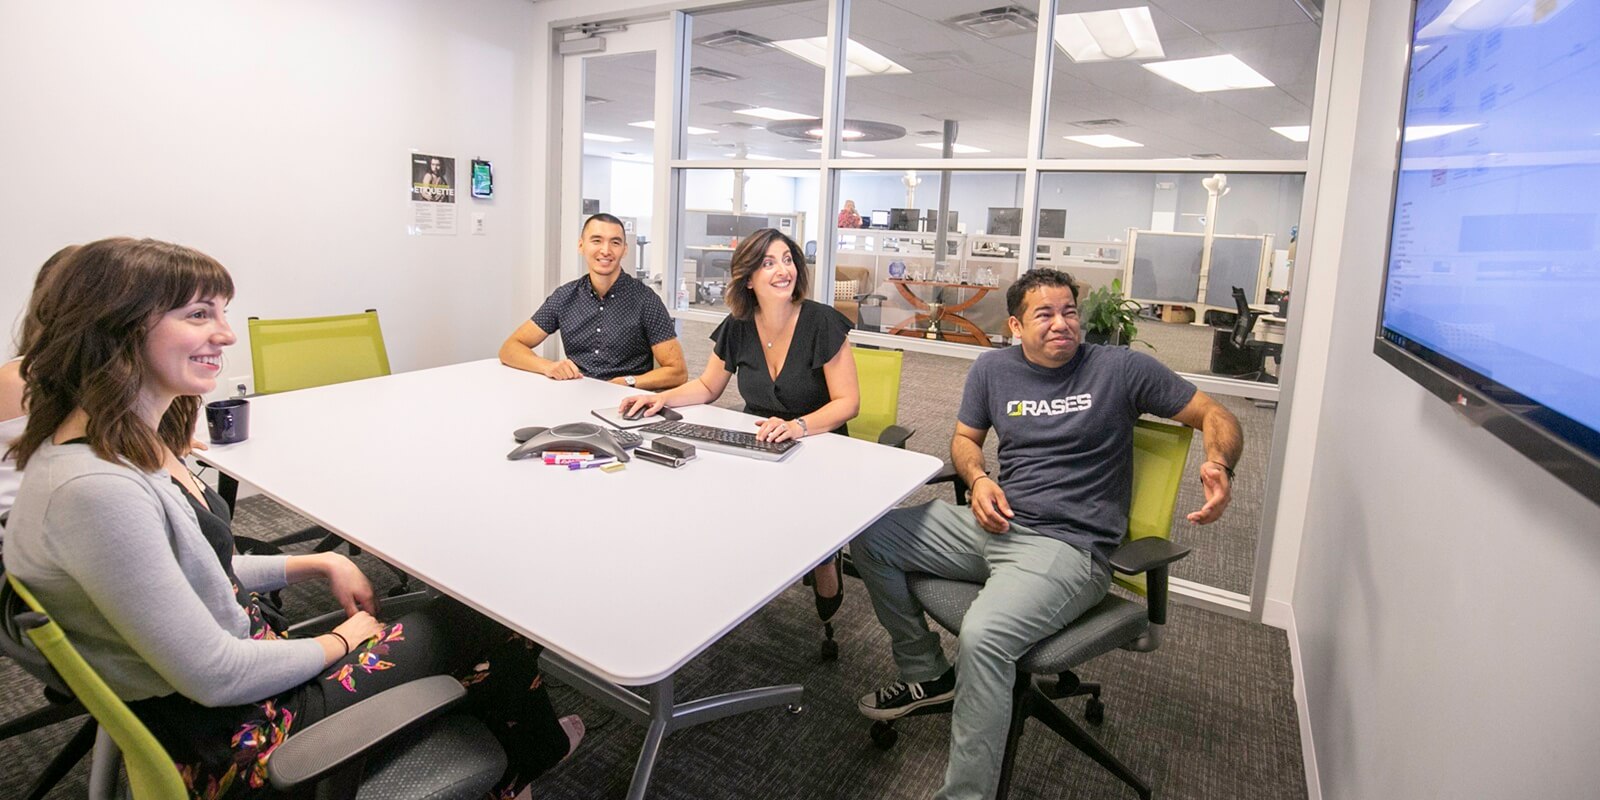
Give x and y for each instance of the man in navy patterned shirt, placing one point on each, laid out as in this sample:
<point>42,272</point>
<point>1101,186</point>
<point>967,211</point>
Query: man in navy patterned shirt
<point>612,326</point>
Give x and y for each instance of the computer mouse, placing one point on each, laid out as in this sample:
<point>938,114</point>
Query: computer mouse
<point>524,434</point>
<point>636,413</point>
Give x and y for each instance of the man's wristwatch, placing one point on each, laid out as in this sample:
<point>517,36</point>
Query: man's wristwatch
<point>630,380</point>
<point>803,429</point>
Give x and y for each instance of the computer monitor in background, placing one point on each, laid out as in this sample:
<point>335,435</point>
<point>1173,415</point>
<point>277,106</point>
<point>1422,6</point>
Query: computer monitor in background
<point>1004,222</point>
<point>950,225</point>
<point>1052,223</point>
<point>747,225</point>
<point>722,225</point>
<point>880,219</point>
<point>904,219</point>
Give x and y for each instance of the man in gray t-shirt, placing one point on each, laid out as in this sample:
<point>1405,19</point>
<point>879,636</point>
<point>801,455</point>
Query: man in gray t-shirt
<point>1038,536</point>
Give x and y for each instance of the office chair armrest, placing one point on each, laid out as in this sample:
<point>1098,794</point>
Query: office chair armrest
<point>392,608</point>
<point>314,752</point>
<point>1151,556</point>
<point>1143,555</point>
<point>948,474</point>
<point>895,436</point>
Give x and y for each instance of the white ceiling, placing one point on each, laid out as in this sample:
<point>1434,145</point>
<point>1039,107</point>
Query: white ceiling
<point>984,85</point>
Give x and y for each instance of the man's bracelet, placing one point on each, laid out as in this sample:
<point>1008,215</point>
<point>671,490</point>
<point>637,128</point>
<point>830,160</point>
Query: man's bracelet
<point>974,483</point>
<point>342,640</point>
<point>1225,468</point>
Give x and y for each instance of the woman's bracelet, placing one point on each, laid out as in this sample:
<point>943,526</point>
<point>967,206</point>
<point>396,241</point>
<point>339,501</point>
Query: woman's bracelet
<point>342,640</point>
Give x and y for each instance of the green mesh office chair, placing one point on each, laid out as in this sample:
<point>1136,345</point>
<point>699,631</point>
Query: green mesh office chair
<point>878,379</point>
<point>289,354</point>
<point>60,705</point>
<point>306,352</point>
<point>451,757</point>
<point>878,376</point>
<point>1160,451</point>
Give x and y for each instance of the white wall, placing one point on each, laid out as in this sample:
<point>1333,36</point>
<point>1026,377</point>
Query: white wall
<point>1447,588</point>
<point>597,184</point>
<point>1255,204</point>
<point>275,136</point>
<point>1101,206</point>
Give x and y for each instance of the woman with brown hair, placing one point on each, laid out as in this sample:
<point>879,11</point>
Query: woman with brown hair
<point>792,356</point>
<point>134,557</point>
<point>13,417</point>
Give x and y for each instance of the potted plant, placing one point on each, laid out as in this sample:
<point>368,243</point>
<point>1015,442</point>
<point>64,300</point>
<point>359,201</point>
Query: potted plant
<point>1109,318</point>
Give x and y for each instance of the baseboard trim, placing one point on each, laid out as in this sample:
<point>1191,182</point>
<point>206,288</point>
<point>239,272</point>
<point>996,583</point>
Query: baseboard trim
<point>1281,615</point>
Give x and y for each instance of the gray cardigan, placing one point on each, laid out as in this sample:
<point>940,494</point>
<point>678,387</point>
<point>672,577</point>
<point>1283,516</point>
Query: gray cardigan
<point>116,556</point>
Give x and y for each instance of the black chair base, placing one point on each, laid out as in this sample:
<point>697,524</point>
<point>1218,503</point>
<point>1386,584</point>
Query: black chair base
<point>68,757</point>
<point>1028,700</point>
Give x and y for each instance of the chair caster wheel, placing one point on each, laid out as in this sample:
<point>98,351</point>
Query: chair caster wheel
<point>830,650</point>
<point>884,735</point>
<point>1094,711</point>
<point>794,708</point>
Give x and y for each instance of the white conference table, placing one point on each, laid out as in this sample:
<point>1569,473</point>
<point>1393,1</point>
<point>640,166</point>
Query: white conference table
<point>623,577</point>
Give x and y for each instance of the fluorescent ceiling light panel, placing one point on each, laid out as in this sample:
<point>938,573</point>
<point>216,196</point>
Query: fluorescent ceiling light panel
<point>955,148</point>
<point>1416,133</point>
<point>777,114</point>
<point>601,137</point>
<point>1105,140</point>
<point>1209,74</point>
<point>860,60</point>
<point>691,130</point>
<point>845,153</point>
<point>1294,133</point>
<point>1121,33</point>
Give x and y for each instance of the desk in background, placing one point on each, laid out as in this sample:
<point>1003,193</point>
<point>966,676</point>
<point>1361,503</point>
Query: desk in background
<point>623,577</point>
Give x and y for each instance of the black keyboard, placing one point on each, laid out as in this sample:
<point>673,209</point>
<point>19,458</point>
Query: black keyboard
<point>723,440</point>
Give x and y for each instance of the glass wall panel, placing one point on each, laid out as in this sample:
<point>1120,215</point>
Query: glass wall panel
<point>1223,553</point>
<point>746,95</point>
<point>1148,231</point>
<point>1182,80</point>
<point>618,169</point>
<point>914,279</point>
<point>721,207</point>
<point>922,75</point>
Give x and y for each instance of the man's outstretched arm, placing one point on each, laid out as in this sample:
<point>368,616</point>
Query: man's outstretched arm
<point>1224,441</point>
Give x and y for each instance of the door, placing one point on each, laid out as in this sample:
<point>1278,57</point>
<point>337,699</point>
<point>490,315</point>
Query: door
<point>611,101</point>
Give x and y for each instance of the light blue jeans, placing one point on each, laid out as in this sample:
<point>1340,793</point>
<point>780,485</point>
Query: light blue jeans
<point>1033,586</point>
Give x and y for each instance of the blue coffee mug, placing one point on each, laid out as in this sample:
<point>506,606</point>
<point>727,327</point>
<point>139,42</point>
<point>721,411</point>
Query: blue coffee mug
<point>229,420</point>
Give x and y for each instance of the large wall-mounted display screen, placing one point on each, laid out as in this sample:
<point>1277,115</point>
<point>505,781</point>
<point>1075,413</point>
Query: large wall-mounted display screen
<point>1492,293</point>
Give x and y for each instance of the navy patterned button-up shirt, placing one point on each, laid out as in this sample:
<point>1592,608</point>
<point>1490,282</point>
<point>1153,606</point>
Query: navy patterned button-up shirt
<point>611,336</point>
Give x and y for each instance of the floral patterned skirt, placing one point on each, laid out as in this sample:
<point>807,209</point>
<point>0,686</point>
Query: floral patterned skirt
<point>222,752</point>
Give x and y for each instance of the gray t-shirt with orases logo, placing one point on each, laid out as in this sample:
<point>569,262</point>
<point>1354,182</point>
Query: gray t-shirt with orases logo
<point>1066,435</point>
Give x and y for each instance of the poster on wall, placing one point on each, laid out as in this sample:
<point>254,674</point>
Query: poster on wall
<point>433,195</point>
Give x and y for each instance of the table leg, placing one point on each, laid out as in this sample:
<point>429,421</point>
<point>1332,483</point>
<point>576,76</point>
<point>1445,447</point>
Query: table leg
<point>659,710</point>
<point>661,723</point>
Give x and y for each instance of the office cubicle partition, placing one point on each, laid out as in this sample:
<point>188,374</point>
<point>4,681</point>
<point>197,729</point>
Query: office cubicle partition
<point>1165,267</point>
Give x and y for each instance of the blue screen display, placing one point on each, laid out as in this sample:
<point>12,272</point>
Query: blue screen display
<point>1494,261</point>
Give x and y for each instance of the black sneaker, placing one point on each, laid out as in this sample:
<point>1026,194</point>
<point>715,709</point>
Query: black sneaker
<point>900,698</point>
